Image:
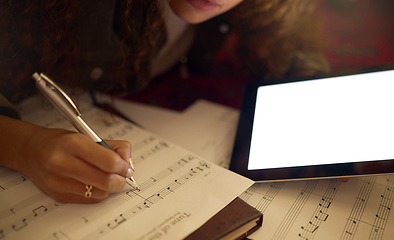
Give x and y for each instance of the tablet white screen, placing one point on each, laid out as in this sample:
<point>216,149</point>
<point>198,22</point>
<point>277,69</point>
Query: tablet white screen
<point>325,121</point>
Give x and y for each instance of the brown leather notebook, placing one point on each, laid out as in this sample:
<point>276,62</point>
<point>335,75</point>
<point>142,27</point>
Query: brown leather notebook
<point>235,221</point>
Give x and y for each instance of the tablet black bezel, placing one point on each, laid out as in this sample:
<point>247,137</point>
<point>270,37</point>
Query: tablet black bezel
<point>240,155</point>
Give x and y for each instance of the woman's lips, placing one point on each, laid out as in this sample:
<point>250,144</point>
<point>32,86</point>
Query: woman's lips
<point>204,5</point>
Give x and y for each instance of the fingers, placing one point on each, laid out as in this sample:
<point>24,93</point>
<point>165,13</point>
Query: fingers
<point>104,159</point>
<point>122,148</point>
<point>72,187</point>
<point>68,190</point>
<point>86,173</point>
<point>63,164</point>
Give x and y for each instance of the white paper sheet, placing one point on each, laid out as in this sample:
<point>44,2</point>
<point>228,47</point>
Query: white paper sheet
<point>179,190</point>
<point>205,128</point>
<point>325,209</point>
<point>316,209</point>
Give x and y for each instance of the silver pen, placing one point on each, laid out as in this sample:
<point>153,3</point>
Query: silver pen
<point>70,111</point>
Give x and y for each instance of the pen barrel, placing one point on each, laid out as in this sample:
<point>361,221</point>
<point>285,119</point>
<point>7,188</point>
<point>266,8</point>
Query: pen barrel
<point>82,127</point>
<point>72,115</point>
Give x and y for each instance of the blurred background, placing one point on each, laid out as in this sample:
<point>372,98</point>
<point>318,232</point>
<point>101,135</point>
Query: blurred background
<point>358,36</point>
<point>358,33</point>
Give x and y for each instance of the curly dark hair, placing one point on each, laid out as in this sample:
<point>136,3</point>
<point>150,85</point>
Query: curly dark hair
<point>38,35</point>
<point>278,38</point>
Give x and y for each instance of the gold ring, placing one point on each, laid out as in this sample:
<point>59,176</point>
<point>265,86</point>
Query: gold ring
<point>88,192</point>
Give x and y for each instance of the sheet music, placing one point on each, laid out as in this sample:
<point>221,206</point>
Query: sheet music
<point>325,209</point>
<point>179,190</point>
<point>315,209</point>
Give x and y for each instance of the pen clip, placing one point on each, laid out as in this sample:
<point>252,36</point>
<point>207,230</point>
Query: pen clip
<point>53,86</point>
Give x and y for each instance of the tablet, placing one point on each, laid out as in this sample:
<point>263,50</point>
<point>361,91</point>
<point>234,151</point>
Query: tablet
<point>321,128</point>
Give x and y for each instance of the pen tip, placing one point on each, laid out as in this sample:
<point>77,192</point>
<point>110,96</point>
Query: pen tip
<point>134,184</point>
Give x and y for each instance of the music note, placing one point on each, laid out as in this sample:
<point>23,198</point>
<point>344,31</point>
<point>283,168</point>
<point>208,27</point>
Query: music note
<point>116,222</point>
<point>182,162</point>
<point>14,182</point>
<point>325,203</point>
<point>150,139</point>
<point>20,225</point>
<point>204,164</point>
<point>163,144</point>
<point>321,216</point>
<point>311,228</point>
<point>41,208</point>
<point>385,197</point>
<point>147,204</point>
<point>302,237</point>
<point>152,151</point>
<point>347,232</point>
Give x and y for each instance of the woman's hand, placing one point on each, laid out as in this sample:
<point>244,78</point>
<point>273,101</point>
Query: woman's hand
<point>66,164</point>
